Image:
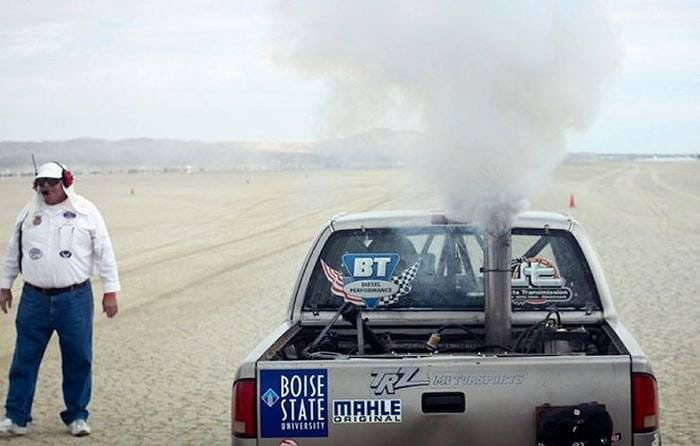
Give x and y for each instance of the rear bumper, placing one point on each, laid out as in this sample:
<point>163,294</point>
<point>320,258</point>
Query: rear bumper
<point>649,439</point>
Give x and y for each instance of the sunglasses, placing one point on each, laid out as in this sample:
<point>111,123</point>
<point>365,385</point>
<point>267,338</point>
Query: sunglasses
<point>50,181</point>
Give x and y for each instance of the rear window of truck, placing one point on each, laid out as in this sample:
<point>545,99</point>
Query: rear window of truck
<point>440,268</point>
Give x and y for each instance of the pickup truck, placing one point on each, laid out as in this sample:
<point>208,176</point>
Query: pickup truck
<point>409,328</point>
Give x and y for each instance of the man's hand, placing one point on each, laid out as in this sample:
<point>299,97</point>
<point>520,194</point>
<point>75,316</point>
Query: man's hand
<point>109,304</point>
<point>5,299</point>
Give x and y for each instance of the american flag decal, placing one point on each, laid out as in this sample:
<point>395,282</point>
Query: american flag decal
<point>337,284</point>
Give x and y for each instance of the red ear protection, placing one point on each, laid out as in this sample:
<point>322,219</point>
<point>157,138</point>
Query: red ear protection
<point>66,176</point>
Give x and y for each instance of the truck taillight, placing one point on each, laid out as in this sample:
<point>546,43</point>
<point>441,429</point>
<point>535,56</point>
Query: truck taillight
<point>243,409</point>
<point>645,403</point>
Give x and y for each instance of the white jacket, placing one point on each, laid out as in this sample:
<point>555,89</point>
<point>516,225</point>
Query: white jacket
<point>62,245</point>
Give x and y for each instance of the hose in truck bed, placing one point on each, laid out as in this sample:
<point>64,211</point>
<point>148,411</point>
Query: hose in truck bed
<point>537,329</point>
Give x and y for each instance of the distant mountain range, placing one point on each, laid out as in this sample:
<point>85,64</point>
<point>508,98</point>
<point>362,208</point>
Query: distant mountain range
<point>377,148</point>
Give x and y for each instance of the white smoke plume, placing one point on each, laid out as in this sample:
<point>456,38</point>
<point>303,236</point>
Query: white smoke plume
<point>495,86</point>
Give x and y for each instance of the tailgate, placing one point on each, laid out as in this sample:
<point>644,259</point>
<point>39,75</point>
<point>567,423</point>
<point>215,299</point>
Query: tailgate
<point>434,400</point>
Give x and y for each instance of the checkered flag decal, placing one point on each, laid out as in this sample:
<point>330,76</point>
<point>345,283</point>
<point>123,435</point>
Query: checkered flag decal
<point>404,282</point>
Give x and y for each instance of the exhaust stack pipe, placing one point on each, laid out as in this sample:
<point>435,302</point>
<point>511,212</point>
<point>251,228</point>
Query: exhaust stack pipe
<point>497,282</point>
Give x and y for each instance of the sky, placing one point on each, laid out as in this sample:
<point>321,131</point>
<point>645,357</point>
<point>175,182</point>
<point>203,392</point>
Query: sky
<point>205,71</point>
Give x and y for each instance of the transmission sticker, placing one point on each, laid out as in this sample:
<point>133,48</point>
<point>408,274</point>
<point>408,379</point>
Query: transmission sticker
<point>536,280</point>
<point>294,403</point>
<point>371,282</point>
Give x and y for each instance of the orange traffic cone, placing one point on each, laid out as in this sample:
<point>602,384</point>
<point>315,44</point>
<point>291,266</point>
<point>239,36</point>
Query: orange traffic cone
<point>572,201</point>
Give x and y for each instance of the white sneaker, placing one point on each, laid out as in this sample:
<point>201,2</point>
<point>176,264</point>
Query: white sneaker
<point>79,428</point>
<point>8,427</point>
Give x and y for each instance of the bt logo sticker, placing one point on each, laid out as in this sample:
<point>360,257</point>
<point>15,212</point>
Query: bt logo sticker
<point>371,282</point>
<point>371,266</point>
<point>371,277</point>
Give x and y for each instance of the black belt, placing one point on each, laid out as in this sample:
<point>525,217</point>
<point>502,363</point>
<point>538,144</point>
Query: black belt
<point>54,291</point>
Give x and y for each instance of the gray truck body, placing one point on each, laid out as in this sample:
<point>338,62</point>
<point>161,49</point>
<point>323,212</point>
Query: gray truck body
<point>459,395</point>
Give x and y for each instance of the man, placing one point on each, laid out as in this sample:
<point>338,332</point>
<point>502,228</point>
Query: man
<point>59,241</point>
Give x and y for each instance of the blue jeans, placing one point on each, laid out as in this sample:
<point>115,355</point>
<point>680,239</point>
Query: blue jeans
<point>38,315</point>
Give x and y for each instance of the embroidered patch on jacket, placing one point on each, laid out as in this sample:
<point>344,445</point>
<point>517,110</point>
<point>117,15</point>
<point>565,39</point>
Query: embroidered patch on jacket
<point>35,253</point>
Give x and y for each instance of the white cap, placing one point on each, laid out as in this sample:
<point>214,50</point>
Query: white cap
<point>50,170</point>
